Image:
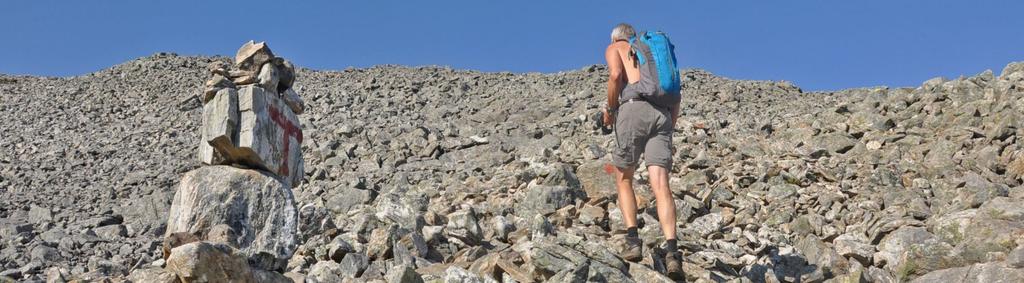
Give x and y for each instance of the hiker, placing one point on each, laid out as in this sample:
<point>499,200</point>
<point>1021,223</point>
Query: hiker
<point>642,114</point>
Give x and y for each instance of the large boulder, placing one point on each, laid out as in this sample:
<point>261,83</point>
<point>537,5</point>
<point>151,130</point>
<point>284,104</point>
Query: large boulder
<point>994,228</point>
<point>899,242</point>
<point>1012,68</point>
<point>258,207</point>
<point>993,272</point>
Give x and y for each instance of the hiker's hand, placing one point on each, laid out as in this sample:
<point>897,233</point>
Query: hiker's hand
<point>608,117</point>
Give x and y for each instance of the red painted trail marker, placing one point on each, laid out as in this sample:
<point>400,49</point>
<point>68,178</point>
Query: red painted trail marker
<point>290,130</point>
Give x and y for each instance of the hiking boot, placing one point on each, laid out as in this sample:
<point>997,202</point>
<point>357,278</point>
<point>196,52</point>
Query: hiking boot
<point>634,250</point>
<point>674,265</point>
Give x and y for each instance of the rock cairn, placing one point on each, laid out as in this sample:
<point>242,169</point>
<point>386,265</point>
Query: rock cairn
<point>234,219</point>
<point>249,114</point>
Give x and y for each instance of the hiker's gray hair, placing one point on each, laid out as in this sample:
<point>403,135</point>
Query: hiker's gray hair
<point>622,31</point>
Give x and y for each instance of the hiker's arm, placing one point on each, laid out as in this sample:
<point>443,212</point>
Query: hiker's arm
<point>675,114</point>
<point>616,74</point>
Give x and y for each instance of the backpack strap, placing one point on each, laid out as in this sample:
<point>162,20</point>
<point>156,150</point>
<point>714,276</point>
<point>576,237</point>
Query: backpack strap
<point>633,53</point>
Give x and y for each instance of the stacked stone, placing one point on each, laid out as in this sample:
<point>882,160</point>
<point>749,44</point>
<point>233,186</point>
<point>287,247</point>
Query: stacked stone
<point>239,223</point>
<point>249,114</point>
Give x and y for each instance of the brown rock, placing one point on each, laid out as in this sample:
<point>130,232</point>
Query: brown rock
<point>215,84</point>
<point>245,80</point>
<point>152,274</point>
<point>211,262</point>
<point>1016,167</point>
<point>177,239</point>
<point>223,234</point>
<point>218,67</point>
<point>252,55</point>
<point>514,271</point>
<point>597,178</point>
<point>293,100</point>
<point>295,277</point>
<point>233,74</point>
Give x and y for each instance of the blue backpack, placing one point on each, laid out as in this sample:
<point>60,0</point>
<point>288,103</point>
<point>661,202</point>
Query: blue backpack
<point>659,77</point>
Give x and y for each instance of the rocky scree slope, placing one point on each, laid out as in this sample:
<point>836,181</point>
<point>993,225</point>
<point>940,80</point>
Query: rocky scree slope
<point>462,174</point>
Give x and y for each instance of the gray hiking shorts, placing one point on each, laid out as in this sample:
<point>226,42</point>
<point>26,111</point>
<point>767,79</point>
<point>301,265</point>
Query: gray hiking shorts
<point>641,128</point>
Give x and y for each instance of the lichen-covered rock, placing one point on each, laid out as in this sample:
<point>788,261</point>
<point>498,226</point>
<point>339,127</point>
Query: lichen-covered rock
<point>993,272</point>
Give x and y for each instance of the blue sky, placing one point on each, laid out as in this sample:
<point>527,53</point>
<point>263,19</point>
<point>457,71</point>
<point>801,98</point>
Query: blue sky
<point>817,44</point>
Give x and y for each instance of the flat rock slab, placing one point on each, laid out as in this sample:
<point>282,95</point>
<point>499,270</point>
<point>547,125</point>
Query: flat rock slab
<point>220,126</point>
<point>257,206</point>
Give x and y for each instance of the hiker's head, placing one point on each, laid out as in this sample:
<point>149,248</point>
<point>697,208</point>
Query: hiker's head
<point>622,31</point>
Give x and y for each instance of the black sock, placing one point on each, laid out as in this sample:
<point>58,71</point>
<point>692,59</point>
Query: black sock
<point>670,245</point>
<point>631,232</point>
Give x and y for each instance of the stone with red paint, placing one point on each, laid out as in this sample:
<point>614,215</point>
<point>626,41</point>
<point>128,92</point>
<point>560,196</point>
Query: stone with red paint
<point>597,178</point>
<point>270,135</point>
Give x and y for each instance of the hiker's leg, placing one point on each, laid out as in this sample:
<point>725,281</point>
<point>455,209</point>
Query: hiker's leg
<point>627,198</point>
<point>658,155</point>
<point>663,197</point>
<point>630,136</point>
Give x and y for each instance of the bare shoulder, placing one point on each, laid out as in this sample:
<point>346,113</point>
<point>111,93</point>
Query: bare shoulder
<point>617,52</point>
<point>618,46</point>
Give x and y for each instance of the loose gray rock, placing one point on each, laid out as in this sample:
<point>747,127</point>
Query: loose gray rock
<point>39,215</point>
<point>854,247</point>
<point>463,226</point>
<point>544,200</point>
<point>353,265</point>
